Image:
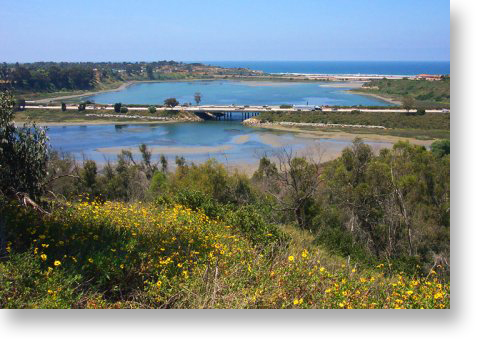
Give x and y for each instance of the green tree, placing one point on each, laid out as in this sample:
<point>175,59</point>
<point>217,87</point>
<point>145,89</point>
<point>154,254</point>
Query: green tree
<point>198,97</point>
<point>124,109</point>
<point>408,102</point>
<point>20,104</point>
<point>171,102</point>
<point>23,154</point>
<point>117,107</point>
<point>164,163</point>
<point>88,178</point>
<point>64,107</point>
<point>149,70</point>
<point>152,109</point>
<point>293,185</point>
<point>440,148</point>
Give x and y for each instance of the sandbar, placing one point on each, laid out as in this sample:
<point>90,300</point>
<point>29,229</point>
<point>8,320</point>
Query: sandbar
<point>241,139</point>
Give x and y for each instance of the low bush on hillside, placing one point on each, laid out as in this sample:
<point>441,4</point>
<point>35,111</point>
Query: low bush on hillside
<point>117,255</point>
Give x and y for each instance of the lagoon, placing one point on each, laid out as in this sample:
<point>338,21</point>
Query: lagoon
<point>228,92</point>
<point>229,142</point>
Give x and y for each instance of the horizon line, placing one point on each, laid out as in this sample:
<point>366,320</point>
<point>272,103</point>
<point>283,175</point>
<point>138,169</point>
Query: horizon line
<point>199,61</point>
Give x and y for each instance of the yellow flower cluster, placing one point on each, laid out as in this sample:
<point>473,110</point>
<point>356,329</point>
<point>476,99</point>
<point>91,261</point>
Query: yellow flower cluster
<point>173,252</point>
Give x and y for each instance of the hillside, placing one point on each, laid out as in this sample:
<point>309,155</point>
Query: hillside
<point>425,93</point>
<point>117,255</point>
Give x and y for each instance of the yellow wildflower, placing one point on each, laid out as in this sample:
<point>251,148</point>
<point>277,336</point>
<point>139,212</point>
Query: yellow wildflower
<point>44,257</point>
<point>90,260</point>
<point>57,263</point>
<point>291,258</point>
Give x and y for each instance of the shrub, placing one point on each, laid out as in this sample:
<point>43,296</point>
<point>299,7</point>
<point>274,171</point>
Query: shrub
<point>117,107</point>
<point>124,109</point>
<point>24,284</point>
<point>117,255</point>
<point>171,102</point>
<point>252,224</point>
<point>152,109</point>
<point>440,147</point>
<point>23,154</point>
<point>20,104</point>
<point>199,201</point>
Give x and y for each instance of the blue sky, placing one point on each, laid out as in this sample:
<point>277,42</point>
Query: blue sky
<point>146,30</point>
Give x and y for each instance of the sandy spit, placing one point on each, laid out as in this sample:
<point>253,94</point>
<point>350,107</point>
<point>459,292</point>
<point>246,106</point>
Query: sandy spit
<point>347,136</point>
<point>241,139</point>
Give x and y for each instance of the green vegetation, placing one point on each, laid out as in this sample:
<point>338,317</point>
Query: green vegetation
<point>74,116</point>
<point>171,102</point>
<point>74,77</point>
<point>441,148</point>
<point>363,231</point>
<point>23,155</point>
<point>423,93</point>
<point>427,121</point>
<point>422,126</point>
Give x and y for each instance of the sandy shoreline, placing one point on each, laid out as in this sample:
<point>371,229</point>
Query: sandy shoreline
<point>392,101</point>
<point>241,139</point>
<point>346,136</point>
<point>350,84</point>
<point>66,97</point>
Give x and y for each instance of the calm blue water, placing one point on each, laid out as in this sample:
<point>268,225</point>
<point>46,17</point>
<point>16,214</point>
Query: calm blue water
<point>227,92</point>
<point>83,142</point>
<point>239,144</point>
<point>342,67</point>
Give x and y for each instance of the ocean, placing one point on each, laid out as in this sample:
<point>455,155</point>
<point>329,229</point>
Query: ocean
<point>342,67</point>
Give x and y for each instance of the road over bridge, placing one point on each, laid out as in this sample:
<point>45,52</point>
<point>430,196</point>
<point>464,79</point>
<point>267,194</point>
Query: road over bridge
<point>240,109</point>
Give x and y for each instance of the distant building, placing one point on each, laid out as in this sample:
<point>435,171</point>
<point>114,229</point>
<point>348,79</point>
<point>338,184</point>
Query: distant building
<point>430,77</point>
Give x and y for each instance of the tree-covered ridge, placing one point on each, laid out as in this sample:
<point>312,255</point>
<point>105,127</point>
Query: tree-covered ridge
<point>53,76</point>
<point>424,92</point>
